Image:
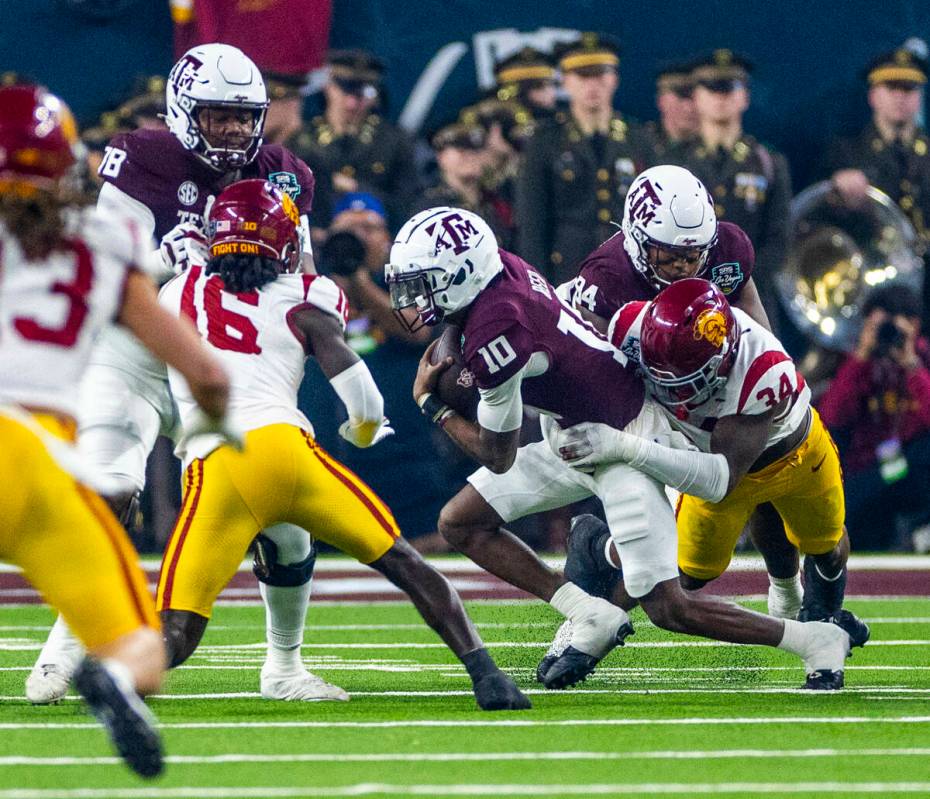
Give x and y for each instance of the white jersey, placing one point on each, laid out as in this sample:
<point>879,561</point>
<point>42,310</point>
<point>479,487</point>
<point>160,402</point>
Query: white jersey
<point>763,375</point>
<point>253,335</point>
<point>52,310</point>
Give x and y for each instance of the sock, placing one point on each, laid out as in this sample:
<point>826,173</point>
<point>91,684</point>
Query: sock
<point>796,638</point>
<point>285,615</point>
<point>785,596</point>
<point>478,664</point>
<point>569,599</point>
<point>61,647</point>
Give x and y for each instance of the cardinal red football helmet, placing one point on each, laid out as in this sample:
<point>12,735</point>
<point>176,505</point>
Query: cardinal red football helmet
<point>687,342</point>
<point>38,136</point>
<point>253,217</point>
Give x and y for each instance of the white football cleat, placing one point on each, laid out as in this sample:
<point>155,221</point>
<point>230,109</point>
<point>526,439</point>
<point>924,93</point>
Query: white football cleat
<point>49,680</point>
<point>301,686</point>
<point>47,684</point>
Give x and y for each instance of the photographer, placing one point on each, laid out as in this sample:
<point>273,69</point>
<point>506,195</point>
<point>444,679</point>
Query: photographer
<point>879,403</point>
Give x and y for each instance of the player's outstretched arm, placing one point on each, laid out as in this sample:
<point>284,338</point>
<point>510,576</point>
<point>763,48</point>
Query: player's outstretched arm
<point>347,374</point>
<point>176,342</point>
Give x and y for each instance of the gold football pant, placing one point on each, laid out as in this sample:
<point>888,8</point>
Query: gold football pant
<point>67,542</point>
<point>281,475</point>
<point>806,488</point>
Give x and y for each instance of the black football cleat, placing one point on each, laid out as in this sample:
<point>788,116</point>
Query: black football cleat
<point>561,641</point>
<point>574,666</point>
<point>497,691</point>
<point>857,630</point>
<point>122,712</point>
<point>585,563</point>
<point>824,680</point>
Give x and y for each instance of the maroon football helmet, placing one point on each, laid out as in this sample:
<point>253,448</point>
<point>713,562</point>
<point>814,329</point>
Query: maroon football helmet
<point>687,342</point>
<point>253,217</point>
<point>38,136</point>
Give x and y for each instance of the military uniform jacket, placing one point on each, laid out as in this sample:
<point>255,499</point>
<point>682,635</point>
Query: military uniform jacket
<point>379,157</point>
<point>664,150</point>
<point>571,187</point>
<point>902,171</point>
<point>751,187</point>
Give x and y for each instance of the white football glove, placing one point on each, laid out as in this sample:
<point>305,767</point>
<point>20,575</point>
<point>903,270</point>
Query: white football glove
<point>183,246</point>
<point>202,424</point>
<point>588,445</point>
<point>360,435</point>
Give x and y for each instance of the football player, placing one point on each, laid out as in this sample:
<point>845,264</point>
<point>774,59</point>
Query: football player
<point>262,319</point>
<point>165,180</point>
<point>66,273</point>
<point>524,345</point>
<point>726,383</point>
<point>669,232</point>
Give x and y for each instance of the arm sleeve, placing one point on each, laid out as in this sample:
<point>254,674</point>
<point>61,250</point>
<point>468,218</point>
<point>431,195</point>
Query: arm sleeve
<point>702,474</point>
<point>363,401</point>
<point>500,409</point>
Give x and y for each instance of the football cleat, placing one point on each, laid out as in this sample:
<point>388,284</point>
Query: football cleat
<point>825,665</point>
<point>563,637</point>
<point>857,630</point>
<point>127,720</point>
<point>497,691</point>
<point>824,680</point>
<point>585,563</point>
<point>48,683</point>
<point>593,635</point>
<point>302,686</point>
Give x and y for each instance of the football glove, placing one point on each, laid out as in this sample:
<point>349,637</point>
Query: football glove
<point>201,424</point>
<point>181,247</point>
<point>364,434</point>
<point>588,444</point>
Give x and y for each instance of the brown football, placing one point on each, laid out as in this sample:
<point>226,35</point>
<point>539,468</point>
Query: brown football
<point>456,386</point>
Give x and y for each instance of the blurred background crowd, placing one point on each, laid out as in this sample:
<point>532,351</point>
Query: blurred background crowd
<point>541,143</point>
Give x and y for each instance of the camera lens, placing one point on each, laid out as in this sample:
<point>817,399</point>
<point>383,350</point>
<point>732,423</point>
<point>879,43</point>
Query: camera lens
<point>887,338</point>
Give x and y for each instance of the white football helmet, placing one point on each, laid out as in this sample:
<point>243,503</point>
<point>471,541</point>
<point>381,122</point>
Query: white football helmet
<point>216,76</point>
<point>441,260</point>
<point>669,208</point>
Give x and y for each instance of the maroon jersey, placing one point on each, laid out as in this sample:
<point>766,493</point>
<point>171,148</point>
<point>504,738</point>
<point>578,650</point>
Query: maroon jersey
<point>519,314</point>
<point>607,279</point>
<point>153,167</point>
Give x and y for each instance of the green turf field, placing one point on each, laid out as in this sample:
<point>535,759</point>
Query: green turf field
<point>663,716</point>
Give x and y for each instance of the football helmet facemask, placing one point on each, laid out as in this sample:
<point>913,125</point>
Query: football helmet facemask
<point>216,104</point>
<point>440,261</point>
<point>668,217</point>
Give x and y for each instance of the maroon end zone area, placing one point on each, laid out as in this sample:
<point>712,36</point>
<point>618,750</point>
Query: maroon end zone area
<point>364,585</point>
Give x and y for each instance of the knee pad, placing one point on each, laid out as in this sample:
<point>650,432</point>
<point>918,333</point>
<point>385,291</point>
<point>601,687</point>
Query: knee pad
<point>268,570</point>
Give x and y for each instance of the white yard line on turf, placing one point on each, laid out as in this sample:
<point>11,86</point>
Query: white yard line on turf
<point>453,757</point>
<point>613,722</point>
<point>206,650</point>
<point>498,790</point>
<point>645,691</point>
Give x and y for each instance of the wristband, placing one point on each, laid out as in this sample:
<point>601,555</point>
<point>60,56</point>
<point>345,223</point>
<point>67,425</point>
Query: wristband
<point>433,407</point>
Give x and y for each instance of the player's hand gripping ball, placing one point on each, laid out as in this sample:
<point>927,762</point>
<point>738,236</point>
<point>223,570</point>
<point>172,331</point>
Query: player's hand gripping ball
<point>456,386</point>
